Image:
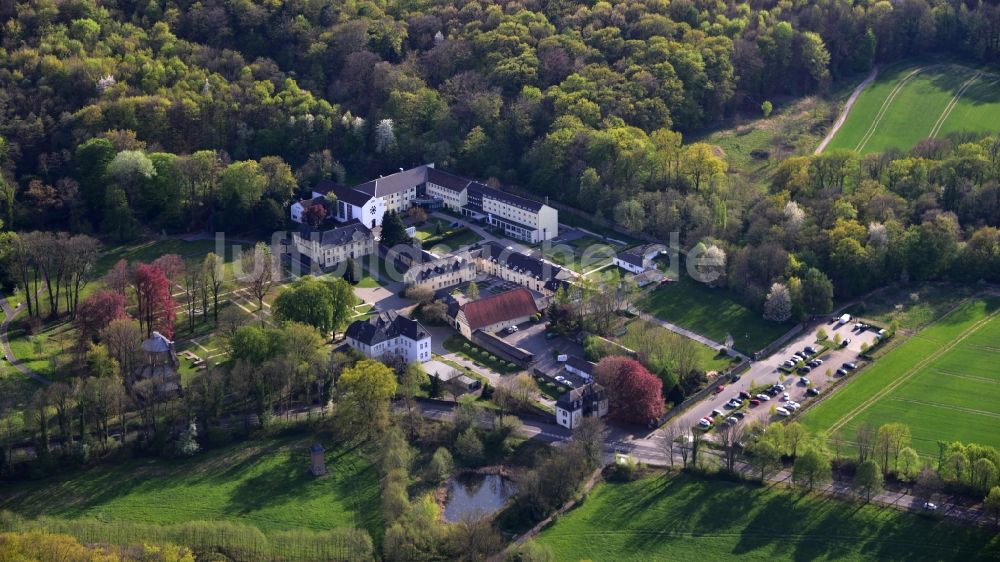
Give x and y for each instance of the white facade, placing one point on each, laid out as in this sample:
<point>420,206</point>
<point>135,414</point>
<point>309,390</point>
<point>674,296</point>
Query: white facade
<point>451,199</point>
<point>369,213</point>
<point>628,266</point>
<point>328,255</point>
<point>410,350</point>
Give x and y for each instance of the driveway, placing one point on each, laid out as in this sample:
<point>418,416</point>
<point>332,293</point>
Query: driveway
<point>766,372</point>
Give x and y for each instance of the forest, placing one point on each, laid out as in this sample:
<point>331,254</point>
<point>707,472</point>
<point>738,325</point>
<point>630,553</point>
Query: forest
<point>119,118</point>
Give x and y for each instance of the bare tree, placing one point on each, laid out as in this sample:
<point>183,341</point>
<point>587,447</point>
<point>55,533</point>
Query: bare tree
<point>60,396</point>
<point>669,441</point>
<point>731,439</point>
<point>212,269</point>
<point>82,253</point>
<point>193,280</point>
<point>590,435</point>
<point>123,339</point>
<point>258,270</point>
<point>866,441</point>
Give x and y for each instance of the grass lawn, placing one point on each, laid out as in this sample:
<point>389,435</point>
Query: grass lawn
<point>712,313</point>
<point>368,283</point>
<point>580,255</point>
<point>150,250</point>
<point>708,358</point>
<point>265,483</point>
<point>457,344</point>
<point>46,351</point>
<point>942,382</point>
<point>917,99</point>
<point>912,308</point>
<point>684,518</point>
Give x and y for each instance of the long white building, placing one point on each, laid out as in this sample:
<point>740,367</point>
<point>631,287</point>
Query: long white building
<point>518,217</point>
<point>390,333</point>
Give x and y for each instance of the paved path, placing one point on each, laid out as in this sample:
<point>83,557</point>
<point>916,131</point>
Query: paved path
<point>847,108</point>
<point>9,314</point>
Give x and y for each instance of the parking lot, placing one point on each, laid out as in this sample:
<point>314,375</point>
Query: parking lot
<point>531,336</point>
<point>767,372</point>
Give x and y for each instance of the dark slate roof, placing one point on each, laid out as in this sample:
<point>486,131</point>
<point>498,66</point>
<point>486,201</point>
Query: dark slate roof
<point>440,266</point>
<point>515,303</point>
<point>386,326</point>
<point>590,391</point>
<point>628,256</point>
<point>339,236</point>
<point>493,193</point>
<point>352,196</point>
<point>326,186</point>
<point>497,252</point>
<point>394,183</point>
<point>580,364</point>
<point>447,180</point>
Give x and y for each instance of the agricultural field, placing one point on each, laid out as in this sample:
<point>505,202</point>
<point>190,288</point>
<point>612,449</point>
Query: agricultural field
<point>712,313</point>
<point>685,518</point>
<point>942,382</point>
<point>920,99</point>
<point>265,483</point>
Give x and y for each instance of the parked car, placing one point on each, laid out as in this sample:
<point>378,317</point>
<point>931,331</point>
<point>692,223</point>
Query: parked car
<point>734,377</point>
<point>928,506</point>
<point>715,414</point>
<point>845,343</point>
<point>772,391</point>
<point>813,391</point>
<point>705,423</point>
<point>719,388</point>
<point>732,421</point>
<point>560,379</point>
<point>788,364</point>
<point>850,366</point>
<point>792,406</point>
<point>841,372</point>
<point>738,415</point>
<point>763,397</point>
<point>784,397</point>
<point>804,381</point>
<point>811,350</point>
<point>755,402</point>
<point>805,369</point>
<point>744,394</point>
<point>779,386</point>
<point>782,412</point>
<point>859,327</point>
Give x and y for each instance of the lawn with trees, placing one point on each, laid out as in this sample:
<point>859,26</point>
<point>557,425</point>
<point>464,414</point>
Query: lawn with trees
<point>712,312</point>
<point>265,483</point>
<point>689,518</point>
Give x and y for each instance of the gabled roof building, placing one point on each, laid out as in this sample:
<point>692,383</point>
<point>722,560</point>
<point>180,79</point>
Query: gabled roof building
<point>390,333</point>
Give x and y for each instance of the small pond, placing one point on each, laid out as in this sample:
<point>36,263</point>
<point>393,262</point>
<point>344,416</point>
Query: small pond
<point>476,495</point>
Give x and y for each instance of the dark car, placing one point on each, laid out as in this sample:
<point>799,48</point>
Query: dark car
<point>739,415</point>
<point>811,350</point>
<point>813,391</point>
<point>755,402</point>
<point>841,372</point>
<point>845,343</point>
<point>805,369</point>
<point>744,394</point>
<point>849,366</point>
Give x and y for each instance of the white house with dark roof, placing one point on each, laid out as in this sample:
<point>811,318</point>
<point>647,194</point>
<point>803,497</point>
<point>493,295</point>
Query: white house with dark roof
<point>589,400</point>
<point>327,248</point>
<point>504,262</point>
<point>639,259</point>
<point>441,273</point>
<point>390,333</point>
<point>492,313</point>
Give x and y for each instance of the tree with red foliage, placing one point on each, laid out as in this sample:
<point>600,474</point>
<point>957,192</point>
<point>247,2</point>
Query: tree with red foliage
<point>172,266</point>
<point>314,214</point>
<point>635,394</point>
<point>96,312</point>
<point>153,300</point>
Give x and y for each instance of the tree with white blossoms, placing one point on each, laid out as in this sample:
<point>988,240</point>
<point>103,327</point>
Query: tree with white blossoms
<point>385,135</point>
<point>795,216</point>
<point>778,306</point>
<point>106,83</point>
<point>877,234</point>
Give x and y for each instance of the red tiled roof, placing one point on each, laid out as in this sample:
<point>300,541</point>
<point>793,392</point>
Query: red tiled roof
<point>517,303</point>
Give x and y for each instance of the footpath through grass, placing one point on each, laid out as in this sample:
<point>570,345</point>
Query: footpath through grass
<point>942,382</point>
<point>712,313</point>
<point>685,518</point>
<point>265,483</point>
